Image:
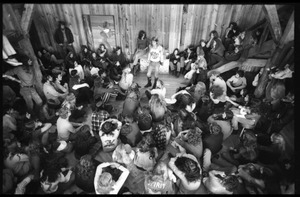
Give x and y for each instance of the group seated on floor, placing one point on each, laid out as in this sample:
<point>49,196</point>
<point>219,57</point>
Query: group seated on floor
<point>210,137</point>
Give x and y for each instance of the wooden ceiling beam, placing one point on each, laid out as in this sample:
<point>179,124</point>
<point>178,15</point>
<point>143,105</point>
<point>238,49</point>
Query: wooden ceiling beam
<point>27,17</point>
<point>272,17</point>
<point>289,32</point>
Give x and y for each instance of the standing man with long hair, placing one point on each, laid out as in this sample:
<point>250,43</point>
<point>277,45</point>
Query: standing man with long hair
<point>155,57</point>
<point>64,38</point>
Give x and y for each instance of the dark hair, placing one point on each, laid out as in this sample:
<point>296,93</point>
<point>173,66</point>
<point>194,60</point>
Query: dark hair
<point>108,127</point>
<point>189,167</point>
<point>202,40</point>
<point>239,47</point>
<point>241,73</point>
<point>51,173</point>
<point>154,38</point>
<point>175,50</point>
<point>216,35</point>
<point>45,77</point>
<point>118,48</point>
<point>141,34</point>
<point>101,71</point>
<point>102,45</point>
<point>5,108</point>
<point>234,25</point>
<point>213,72</point>
<point>183,100</point>
<point>86,168</point>
<point>73,72</point>
<point>231,183</point>
<point>61,23</point>
<point>216,91</point>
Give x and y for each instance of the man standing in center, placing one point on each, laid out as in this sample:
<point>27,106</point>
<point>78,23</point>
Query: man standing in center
<point>156,59</point>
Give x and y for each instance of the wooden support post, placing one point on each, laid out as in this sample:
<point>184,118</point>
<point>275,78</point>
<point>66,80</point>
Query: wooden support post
<point>272,16</point>
<point>26,48</point>
<point>289,31</point>
<point>260,89</point>
<point>288,35</point>
<point>27,17</point>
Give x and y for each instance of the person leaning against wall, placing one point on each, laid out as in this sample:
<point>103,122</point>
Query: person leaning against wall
<point>64,38</point>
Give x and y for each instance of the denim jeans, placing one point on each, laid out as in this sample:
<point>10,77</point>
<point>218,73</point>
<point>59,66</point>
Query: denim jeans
<point>29,94</point>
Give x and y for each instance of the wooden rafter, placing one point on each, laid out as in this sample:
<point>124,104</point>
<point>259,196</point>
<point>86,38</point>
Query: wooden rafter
<point>289,32</point>
<point>272,17</point>
<point>27,17</point>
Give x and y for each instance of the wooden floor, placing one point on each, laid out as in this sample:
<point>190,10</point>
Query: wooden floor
<point>171,82</point>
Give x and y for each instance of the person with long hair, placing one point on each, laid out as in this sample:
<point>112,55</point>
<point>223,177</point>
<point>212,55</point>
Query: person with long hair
<point>142,44</point>
<point>231,33</point>
<point>175,62</point>
<point>103,55</point>
<point>156,59</point>
<point>64,38</point>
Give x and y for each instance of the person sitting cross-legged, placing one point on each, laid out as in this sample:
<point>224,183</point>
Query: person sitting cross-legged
<point>236,83</point>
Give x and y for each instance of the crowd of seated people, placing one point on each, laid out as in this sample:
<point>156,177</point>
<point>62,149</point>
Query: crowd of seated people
<point>211,137</point>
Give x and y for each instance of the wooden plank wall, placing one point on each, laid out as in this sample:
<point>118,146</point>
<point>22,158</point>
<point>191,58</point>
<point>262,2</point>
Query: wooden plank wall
<point>174,28</point>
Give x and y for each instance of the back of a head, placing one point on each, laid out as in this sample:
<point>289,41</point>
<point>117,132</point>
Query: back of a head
<point>189,167</point>
<point>154,38</point>
<point>241,73</point>
<point>50,174</point>
<point>231,183</point>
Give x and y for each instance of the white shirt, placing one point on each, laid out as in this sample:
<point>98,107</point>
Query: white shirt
<point>156,54</point>
<point>64,127</point>
<point>162,92</point>
<point>237,82</point>
<point>110,142</point>
<point>94,71</point>
<point>126,81</point>
<point>80,71</point>
<point>50,92</point>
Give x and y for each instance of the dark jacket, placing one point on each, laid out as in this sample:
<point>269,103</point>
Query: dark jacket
<point>121,58</point>
<point>192,57</point>
<point>232,56</point>
<point>59,37</point>
<point>213,142</point>
<point>173,58</point>
<point>219,48</point>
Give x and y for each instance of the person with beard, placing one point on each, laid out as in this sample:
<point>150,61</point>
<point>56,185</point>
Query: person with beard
<point>25,73</point>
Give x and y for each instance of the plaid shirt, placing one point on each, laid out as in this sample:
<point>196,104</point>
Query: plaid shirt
<point>97,119</point>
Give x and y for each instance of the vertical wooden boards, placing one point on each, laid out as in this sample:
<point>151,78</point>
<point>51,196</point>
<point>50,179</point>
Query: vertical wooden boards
<point>117,24</point>
<point>189,38</point>
<point>167,20</point>
<point>184,25</point>
<point>88,32</point>
<point>175,25</point>
<point>206,22</point>
<point>79,19</point>
<point>220,17</point>
<point>227,18</point>
<point>214,17</point>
